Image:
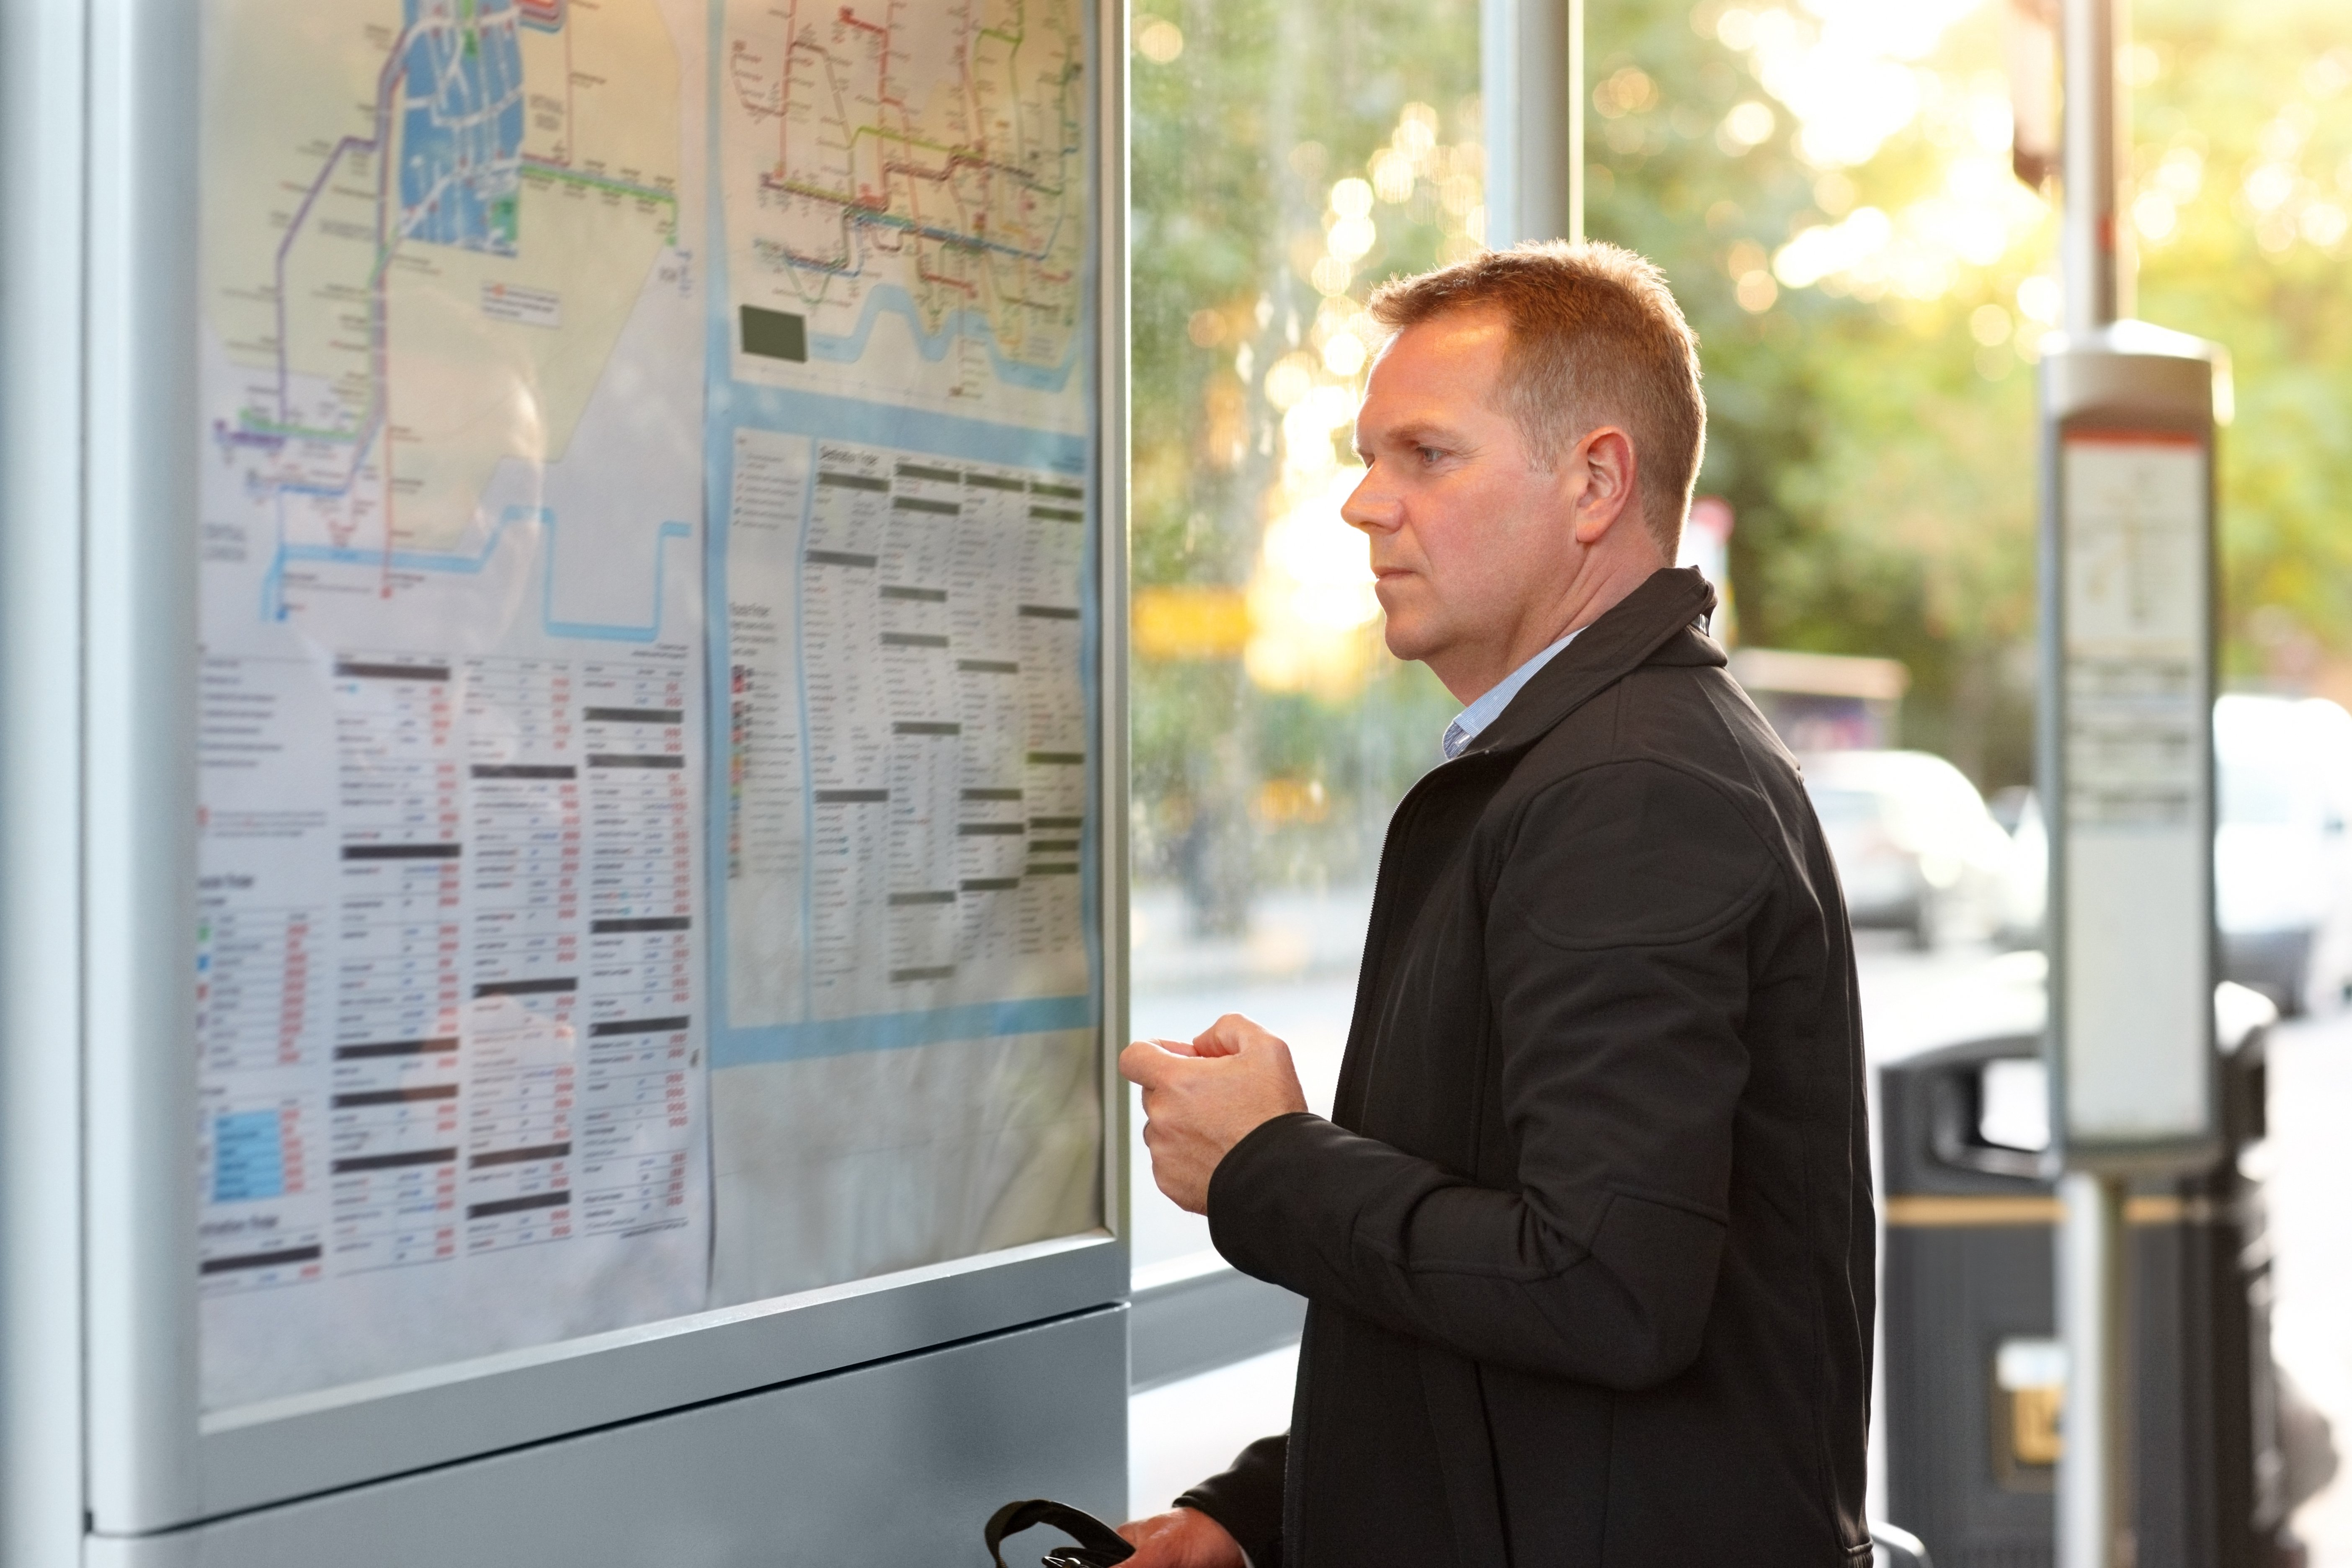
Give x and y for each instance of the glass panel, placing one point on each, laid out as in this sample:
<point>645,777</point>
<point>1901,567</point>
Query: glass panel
<point>609,911</point>
<point>1288,157</point>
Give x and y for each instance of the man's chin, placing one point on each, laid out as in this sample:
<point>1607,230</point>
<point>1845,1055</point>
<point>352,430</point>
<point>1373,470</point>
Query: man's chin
<point>1406,641</point>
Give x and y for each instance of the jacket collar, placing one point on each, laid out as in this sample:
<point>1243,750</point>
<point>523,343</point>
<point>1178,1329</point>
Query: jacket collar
<point>1670,603</point>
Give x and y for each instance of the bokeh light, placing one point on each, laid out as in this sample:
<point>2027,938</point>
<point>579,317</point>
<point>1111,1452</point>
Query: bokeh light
<point>1852,75</point>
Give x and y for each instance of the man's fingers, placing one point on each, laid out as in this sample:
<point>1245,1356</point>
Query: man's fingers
<point>1141,1057</point>
<point>1232,1036</point>
<point>1146,1062</point>
<point>1224,1037</point>
<point>1180,1538</point>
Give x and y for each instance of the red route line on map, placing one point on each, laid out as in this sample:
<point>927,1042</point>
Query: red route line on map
<point>916,174</point>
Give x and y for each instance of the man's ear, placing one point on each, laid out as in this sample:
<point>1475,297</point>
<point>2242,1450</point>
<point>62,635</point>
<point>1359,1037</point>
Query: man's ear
<point>1604,467</point>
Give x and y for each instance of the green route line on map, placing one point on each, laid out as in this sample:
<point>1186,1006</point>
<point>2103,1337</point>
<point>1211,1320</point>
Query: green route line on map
<point>248,419</point>
<point>1012,41</point>
<point>948,150</point>
<point>567,176</point>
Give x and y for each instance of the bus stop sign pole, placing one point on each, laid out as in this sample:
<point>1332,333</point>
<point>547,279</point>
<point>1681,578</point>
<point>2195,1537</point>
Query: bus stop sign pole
<point>2126,768</point>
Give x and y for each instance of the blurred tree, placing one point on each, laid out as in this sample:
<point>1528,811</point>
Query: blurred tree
<point>2243,199</point>
<point>1825,183</point>
<point>1872,417</point>
<point>1877,450</point>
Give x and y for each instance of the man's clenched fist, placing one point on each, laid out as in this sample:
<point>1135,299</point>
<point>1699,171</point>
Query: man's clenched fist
<point>1201,1098</point>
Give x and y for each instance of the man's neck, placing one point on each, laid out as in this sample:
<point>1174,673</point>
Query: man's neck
<point>1470,671</point>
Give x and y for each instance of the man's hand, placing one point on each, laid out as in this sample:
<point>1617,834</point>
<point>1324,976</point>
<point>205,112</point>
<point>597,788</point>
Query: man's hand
<point>1181,1537</point>
<point>1202,1099</point>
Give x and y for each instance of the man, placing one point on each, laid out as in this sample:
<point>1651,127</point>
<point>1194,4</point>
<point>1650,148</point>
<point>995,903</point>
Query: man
<point>1587,1241</point>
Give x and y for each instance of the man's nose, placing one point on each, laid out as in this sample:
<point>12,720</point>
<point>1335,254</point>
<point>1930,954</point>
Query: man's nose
<point>1371,506</point>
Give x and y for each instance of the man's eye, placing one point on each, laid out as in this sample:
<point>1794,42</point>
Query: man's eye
<point>1429,455</point>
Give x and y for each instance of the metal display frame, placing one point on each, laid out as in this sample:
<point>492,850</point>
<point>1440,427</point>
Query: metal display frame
<point>44,55</point>
<point>149,1463</point>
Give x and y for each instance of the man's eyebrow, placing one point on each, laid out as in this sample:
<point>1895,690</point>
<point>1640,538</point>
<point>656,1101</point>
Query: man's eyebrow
<point>1420,433</point>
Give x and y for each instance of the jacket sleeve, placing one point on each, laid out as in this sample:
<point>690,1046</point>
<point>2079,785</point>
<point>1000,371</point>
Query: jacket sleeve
<point>1617,952</point>
<point>1246,1499</point>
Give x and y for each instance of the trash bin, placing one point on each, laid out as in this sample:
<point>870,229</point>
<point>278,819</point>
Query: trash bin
<point>1974,1374</point>
<point>1892,1548</point>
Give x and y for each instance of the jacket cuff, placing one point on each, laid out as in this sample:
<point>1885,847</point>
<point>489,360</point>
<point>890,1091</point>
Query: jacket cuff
<point>1241,1185</point>
<point>1246,1501</point>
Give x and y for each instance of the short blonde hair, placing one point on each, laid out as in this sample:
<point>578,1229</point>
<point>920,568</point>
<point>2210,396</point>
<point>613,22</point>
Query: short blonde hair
<point>1596,337</point>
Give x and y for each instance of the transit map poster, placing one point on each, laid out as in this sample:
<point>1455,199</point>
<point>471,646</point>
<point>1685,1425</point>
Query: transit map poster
<point>645,755</point>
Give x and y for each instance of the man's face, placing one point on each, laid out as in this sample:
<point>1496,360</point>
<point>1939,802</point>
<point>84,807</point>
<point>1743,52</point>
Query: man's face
<point>1468,537</point>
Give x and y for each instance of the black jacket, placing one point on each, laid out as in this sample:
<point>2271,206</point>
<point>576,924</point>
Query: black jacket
<point>1588,1239</point>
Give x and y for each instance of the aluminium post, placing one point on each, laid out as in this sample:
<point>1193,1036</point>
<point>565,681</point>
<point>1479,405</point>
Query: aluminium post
<point>2096,1497</point>
<point>1531,56</point>
<point>2095,247</point>
<point>2095,1490</point>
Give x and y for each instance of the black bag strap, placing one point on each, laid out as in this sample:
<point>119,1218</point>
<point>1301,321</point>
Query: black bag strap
<point>1099,1545</point>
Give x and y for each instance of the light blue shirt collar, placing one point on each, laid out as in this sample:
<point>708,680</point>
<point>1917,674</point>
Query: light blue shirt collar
<point>1489,707</point>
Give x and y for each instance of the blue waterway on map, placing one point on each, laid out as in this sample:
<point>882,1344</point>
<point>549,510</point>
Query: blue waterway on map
<point>461,127</point>
<point>739,1047</point>
<point>647,631</point>
<point>850,347</point>
<point>740,406</point>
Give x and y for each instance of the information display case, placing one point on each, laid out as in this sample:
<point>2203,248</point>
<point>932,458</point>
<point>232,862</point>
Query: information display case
<point>2130,590</point>
<point>601,584</point>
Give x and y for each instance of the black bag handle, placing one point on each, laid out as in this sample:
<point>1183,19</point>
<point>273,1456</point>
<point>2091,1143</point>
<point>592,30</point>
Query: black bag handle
<point>1099,1545</point>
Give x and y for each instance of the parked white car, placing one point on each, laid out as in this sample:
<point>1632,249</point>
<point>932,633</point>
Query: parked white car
<point>1914,846</point>
<point>2025,883</point>
<point>2282,851</point>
